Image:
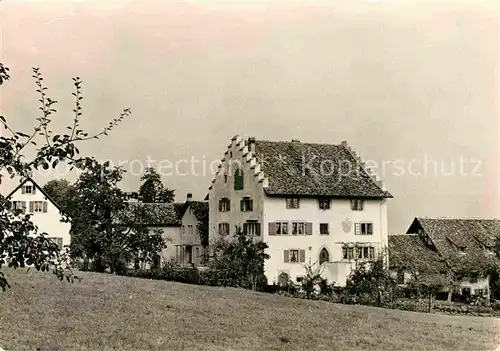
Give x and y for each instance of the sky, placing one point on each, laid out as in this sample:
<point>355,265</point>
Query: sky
<point>411,85</point>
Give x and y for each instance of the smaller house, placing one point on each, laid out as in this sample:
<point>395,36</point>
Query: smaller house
<point>45,213</point>
<point>433,244</point>
<point>181,226</point>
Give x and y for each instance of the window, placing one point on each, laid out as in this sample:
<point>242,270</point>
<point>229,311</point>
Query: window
<point>357,205</point>
<point>28,189</point>
<point>251,228</point>
<point>281,228</point>
<point>292,202</point>
<point>479,292</point>
<point>238,179</point>
<point>348,253</point>
<point>324,204</point>
<point>19,206</point>
<point>323,229</point>
<point>183,229</point>
<point>224,205</point>
<point>190,228</point>
<point>58,242</point>
<point>38,206</point>
<point>298,228</point>
<point>400,279</point>
<point>299,279</point>
<point>246,204</point>
<point>363,229</point>
<point>366,252</point>
<point>294,256</point>
<point>224,229</point>
<point>324,256</point>
<point>197,252</point>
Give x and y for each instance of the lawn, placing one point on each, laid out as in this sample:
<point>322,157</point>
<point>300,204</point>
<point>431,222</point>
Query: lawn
<point>104,312</point>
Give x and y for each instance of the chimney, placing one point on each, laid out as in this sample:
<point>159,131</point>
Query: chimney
<point>251,144</point>
<point>189,197</point>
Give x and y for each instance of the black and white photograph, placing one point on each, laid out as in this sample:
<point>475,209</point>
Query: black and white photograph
<point>249,175</point>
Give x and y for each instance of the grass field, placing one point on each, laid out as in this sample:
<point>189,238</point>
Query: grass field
<point>105,312</point>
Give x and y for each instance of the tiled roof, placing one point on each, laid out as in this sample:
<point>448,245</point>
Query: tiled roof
<point>452,234</point>
<point>409,251</point>
<point>157,214</point>
<point>333,170</point>
<point>200,209</point>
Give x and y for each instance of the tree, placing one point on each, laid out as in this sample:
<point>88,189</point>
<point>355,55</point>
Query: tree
<point>152,189</point>
<point>311,279</point>
<point>21,244</point>
<point>61,191</point>
<point>239,262</point>
<point>370,281</point>
<point>106,230</point>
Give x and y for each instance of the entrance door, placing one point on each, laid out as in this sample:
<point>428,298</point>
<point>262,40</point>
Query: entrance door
<point>189,253</point>
<point>324,256</point>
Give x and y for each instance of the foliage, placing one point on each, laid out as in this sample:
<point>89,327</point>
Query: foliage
<point>311,280</point>
<point>152,189</point>
<point>61,191</point>
<point>239,262</point>
<point>370,283</point>
<point>21,244</point>
<point>102,231</point>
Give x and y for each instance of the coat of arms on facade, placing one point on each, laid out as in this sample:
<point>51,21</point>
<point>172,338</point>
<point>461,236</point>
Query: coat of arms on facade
<point>346,225</point>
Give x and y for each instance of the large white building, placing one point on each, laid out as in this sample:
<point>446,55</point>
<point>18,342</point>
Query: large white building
<point>311,203</point>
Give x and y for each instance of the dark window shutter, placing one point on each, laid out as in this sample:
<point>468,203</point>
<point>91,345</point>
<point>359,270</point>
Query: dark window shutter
<point>23,205</point>
<point>302,255</point>
<point>242,205</point>
<point>353,205</point>
<point>229,204</point>
<point>309,228</point>
<point>31,206</point>
<point>251,205</point>
<point>245,228</point>
<point>272,228</point>
<point>220,205</point>
<point>45,206</point>
<point>285,254</point>
<point>23,189</point>
<point>257,228</point>
<point>370,228</point>
<point>33,189</point>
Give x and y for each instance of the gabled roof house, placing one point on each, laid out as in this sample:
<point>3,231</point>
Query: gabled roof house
<point>433,243</point>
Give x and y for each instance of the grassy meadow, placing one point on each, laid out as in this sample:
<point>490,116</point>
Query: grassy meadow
<point>104,312</point>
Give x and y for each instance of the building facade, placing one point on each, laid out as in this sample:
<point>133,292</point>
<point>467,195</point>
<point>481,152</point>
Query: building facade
<point>45,213</point>
<point>314,204</point>
<point>180,225</point>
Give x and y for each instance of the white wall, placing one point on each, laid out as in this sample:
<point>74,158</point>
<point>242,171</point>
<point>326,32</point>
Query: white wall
<point>252,188</point>
<point>173,234</point>
<point>49,222</point>
<point>191,237</point>
<point>340,211</point>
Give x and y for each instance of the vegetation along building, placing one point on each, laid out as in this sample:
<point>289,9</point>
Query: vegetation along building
<point>311,203</point>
